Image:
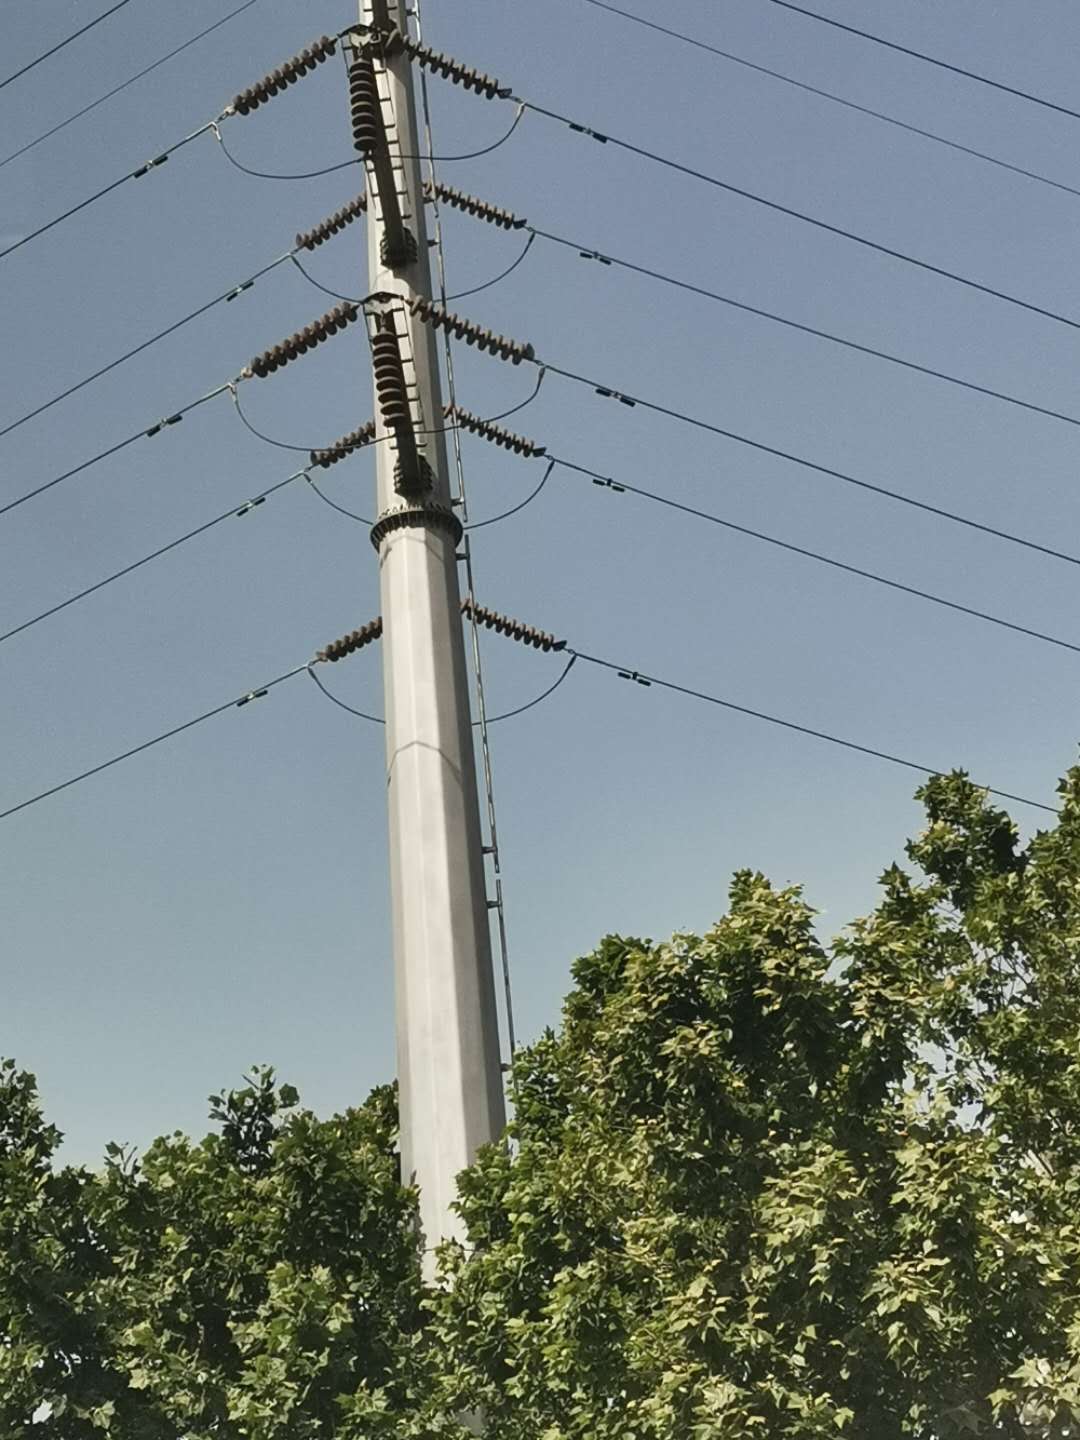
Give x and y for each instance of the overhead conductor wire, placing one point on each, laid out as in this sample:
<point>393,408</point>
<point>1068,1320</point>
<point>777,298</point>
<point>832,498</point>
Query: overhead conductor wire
<point>641,678</point>
<point>929,59</point>
<point>157,740</point>
<point>624,672</point>
<point>243,509</point>
<point>703,45</point>
<point>99,194</point>
<point>66,41</point>
<point>478,670</point>
<point>159,425</point>
<point>605,138</point>
<point>124,84</point>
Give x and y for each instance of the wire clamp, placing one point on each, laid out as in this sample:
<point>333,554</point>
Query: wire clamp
<point>633,675</point>
<point>161,424</point>
<point>150,165</point>
<point>615,395</point>
<point>595,255</point>
<point>584,130</point>
<point>606,484</point>
<point>239,290</point>
<point>251,695</point>
<point>251,504</point>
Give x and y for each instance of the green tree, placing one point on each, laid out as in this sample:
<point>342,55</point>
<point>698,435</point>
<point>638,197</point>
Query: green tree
<point>56,1322</point>
<point>754,1185</point>
<point>759,1187</point>
<point>268,1274</point>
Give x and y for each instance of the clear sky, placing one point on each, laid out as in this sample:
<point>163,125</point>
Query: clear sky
<point>223,899</point>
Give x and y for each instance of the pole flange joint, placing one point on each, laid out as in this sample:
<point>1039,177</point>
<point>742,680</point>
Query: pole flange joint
<point>416,517</point>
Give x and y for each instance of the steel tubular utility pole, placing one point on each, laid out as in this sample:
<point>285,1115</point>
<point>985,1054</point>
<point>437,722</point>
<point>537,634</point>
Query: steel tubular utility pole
<point>449,1072</point>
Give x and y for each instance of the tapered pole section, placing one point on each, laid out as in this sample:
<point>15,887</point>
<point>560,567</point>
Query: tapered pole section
<point>448,1061</point>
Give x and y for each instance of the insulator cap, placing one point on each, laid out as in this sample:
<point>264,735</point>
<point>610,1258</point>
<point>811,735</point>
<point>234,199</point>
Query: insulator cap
<point>355,440</point>
<point>490,431</point>
<point>308,239</point>
<point>355,640</point>
<point>287,74</point>
<point>364,106</point>
<point>434,315</point>
<point>472,205</point>
<point>447,66</point>
<point>304,340</point>
<point>515,629</point>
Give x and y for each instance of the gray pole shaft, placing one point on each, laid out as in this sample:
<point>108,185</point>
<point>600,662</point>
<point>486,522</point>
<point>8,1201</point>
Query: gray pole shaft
<point>449,1073</point>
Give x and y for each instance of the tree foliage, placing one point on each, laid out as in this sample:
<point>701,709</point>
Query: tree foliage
<point>753,1185</point>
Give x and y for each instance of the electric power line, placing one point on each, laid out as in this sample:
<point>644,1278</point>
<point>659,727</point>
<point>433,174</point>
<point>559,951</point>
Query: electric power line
<point>113,449</point>
<point>225,296</point>
<point>236,510</point>
<point>699,44</point>
<point>124,84</point>
<point>605,138</point>
<point>588,253</point>
<point>619,486</point>
<point>100,194</point>
<point>625,672</point>
<point>930,59</point>
<point>149,744</point>
<point>66,41</point>
<point>700,424</point>
<point>641,678</point>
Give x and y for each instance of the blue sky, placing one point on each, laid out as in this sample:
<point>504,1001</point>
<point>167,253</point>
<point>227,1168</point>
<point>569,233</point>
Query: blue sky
<point>223,899</point>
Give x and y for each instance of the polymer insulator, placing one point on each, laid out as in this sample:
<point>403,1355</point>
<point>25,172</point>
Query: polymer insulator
<point>490,431</point>
<point>364,106</point>
<point>472,205</point>
<point>308,239</point>
<point>287,74</point>
<point>515,629</point>
<point>434,315</point>
<point>355,640</point>
<point>355,440</point>
<point>448,67</point>
<point>304,340</point>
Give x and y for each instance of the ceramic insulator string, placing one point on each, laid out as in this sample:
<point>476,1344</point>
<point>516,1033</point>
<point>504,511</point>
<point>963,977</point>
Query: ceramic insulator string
<point>434,315</point>
<point>285,75</point>
<point>304,340</point>
<point>319,234</point>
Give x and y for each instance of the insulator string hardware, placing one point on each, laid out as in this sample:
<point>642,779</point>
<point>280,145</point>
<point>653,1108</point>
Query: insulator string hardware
<point>318,234</point>
<point>412,474</point>
<point>514,629</point>
<point>473,205</point>
<point>438,318</point>
<point>285,75</point>
<point>446,66</point>
<point>355,440</point>
<point>373,142</point>
<point>353,641</point>
<point>497,434</point>
<point>364,104</point>
<point>302,341</point>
